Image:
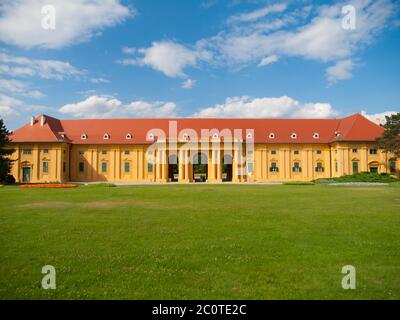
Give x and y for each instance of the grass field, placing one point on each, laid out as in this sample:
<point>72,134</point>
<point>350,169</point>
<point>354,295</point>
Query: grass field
<point>200,242</point>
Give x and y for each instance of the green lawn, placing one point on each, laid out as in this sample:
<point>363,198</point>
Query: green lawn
<point>200,242</point>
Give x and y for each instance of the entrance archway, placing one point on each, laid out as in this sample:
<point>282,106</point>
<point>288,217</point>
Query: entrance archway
<point>200,167</point>
<point>173,168</point>
<point>227,168</point>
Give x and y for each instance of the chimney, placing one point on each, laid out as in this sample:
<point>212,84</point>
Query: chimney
<point>32,120</point>
<point>42,120</point>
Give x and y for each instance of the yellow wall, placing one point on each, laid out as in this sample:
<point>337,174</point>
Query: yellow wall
<point>64,161</point>
<point>56,156</point>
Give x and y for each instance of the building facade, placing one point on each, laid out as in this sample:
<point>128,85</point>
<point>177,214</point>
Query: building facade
<point>186,150</point>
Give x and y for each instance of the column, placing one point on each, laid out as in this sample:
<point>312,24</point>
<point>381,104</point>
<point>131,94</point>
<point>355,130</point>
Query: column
<point>164,172</point>
<point>35,174</point>
<point>187,163</point>
<point>141,165</point>
<point>340,161</point>
<point>219,166</point>
<point>364,159</point>
<point>235,165</point>
<point>181,173</point>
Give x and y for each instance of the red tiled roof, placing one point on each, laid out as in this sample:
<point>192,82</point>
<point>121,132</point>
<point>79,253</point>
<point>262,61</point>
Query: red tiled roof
<point>352,128</point>
<point>49,132</point>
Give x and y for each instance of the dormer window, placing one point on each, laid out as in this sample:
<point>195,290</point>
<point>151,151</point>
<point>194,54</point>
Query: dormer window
<point>185,136</point>
<point>84,136</point>
<point>271,135</point>
<point>293,135</point>
<point>128,136</point>
<point>106,136</point>
<point>337,134</point>
<point>215,136</point>
<point>249,136</point>
<point>151,136</point>
<point>316,135</point>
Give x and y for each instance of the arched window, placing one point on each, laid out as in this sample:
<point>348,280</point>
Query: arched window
<point>151,136</point>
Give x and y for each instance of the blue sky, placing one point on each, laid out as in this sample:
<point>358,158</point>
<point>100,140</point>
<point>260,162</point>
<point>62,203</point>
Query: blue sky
<point>209,58</point>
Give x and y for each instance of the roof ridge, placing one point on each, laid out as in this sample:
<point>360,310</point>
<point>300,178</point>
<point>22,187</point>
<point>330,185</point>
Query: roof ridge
<point>356,117</point>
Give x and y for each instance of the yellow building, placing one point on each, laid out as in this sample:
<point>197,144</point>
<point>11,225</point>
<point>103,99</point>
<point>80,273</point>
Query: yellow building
<point>185,150</point>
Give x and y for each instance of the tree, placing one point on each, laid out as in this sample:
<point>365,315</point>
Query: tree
<point>5,161</point>
<point>390,140</point>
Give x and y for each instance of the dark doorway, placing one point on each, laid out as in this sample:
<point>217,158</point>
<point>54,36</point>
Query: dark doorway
<point>200,168</point>
<point>173,168</point>
<point>26,174</point>
<point>227,168</point>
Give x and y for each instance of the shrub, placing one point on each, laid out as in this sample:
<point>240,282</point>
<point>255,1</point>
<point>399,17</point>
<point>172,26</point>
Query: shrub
<point>100,185</point>
<point>361,177</point>
<point>299,183</point>
<point>47,185</point>
<point>10,179</point>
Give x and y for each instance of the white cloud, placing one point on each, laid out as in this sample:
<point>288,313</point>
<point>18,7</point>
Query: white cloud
<point>8,107</point>
<point>143,109</point>
<point>315,34</point>
<point>268,60</point>
<point>248,107</point>
<point>208,4</point>
<point>99,80</point>
<point>259,13</point>
<point>378,118</point>
<point>128,50</point>
<point>168,57</point>
<point>188,84</point>
<point>20,88</point>
<point>11,109</point>
<point>129,62</point>
<point>109,107</point>
<point>76,21</point>
<point>342,70</point>
<point>17,66</point>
